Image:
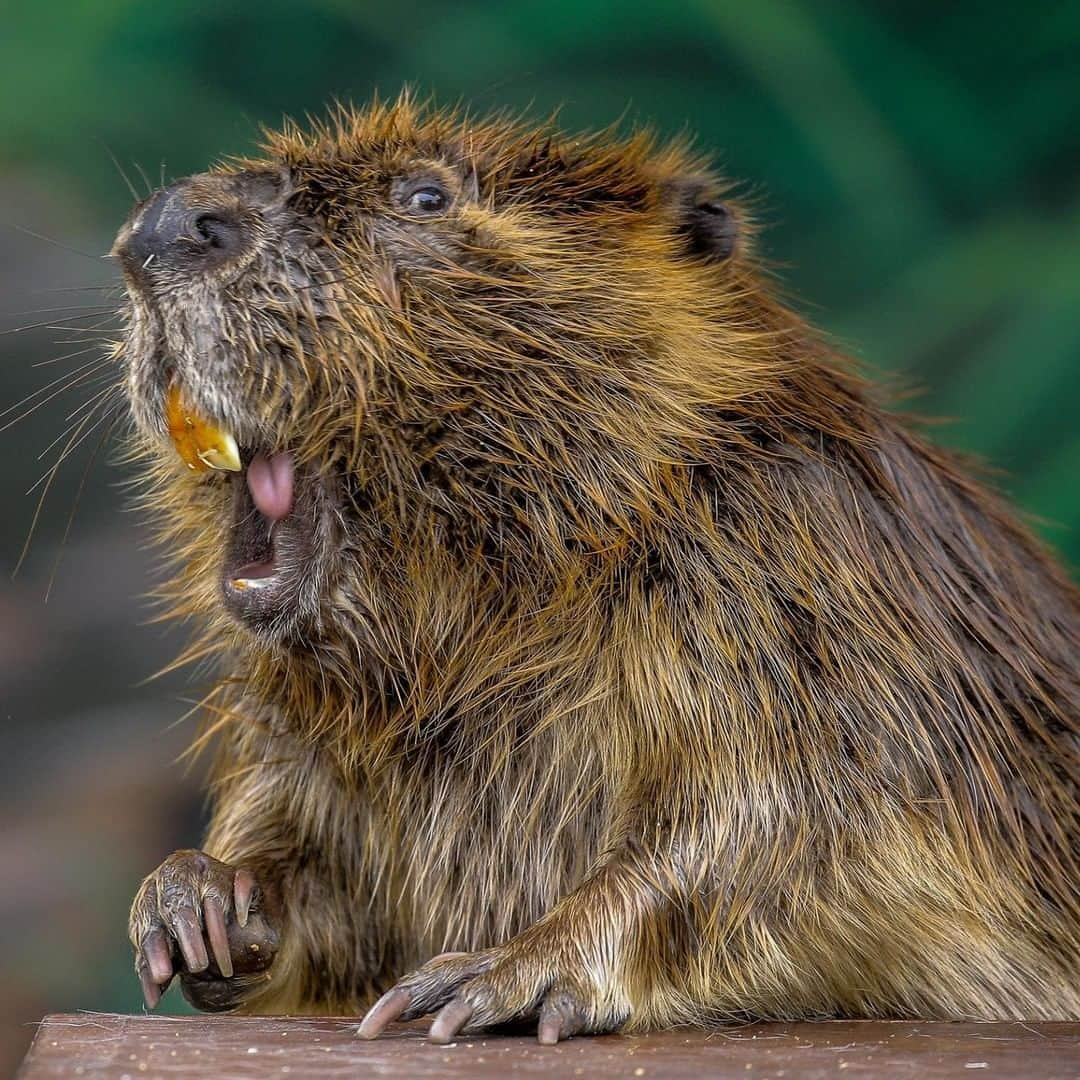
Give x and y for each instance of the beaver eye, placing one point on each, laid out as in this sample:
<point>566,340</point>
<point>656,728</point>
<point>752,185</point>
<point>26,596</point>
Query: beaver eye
<point>427,200</point>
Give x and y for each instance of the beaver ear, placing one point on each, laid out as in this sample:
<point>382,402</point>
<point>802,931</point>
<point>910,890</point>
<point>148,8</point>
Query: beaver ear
<point>709,229</point>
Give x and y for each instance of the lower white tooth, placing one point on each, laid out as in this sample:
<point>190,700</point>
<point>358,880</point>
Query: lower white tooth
<point>242,584</point>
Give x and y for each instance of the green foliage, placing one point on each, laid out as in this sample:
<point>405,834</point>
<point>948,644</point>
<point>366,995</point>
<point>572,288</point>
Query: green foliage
<point>917,162</point>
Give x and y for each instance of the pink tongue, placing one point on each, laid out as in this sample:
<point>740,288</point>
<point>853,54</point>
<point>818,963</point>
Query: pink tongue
<point>270,481</point>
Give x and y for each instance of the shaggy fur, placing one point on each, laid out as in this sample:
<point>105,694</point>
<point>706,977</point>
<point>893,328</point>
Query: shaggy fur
<point>643,657</point>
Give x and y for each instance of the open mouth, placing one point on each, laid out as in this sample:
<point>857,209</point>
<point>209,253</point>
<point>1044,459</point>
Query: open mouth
<point>268,569</point>
<point>266,502</point>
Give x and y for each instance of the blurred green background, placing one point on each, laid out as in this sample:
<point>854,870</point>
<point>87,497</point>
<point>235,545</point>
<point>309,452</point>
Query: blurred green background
<point>917,166</point>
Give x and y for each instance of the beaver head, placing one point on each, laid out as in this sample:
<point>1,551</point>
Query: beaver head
<point>406,325</point>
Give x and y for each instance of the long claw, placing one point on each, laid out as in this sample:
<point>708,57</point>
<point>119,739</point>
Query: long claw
<point>549,1030</point>
<point>150,990</point>
<point>384,1012</point>
<point>158,957</point>
<point>214,919</point>
<point>188,933</point>
<point>243,891</point>
<point>449,1021</point>
<point>560,1017</point>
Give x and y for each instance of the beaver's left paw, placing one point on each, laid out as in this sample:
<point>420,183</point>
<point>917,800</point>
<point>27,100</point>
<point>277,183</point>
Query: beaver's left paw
<point>520,981</point>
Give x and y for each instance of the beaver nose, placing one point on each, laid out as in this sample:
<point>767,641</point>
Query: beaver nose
<point>168,234</point>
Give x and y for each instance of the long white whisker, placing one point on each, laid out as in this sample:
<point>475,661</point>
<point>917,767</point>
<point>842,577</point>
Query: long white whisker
<point>66,356</point>
<point>110,428</point>
<point>72,378</point>
<point>70,447</point>
<point>49,477</point>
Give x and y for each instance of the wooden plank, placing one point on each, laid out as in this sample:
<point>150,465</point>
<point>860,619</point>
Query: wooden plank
<point>137,1047</point>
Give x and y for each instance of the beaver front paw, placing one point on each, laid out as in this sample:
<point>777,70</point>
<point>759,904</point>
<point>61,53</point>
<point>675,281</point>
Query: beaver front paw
<point>203,920</point>
<point>520,982</point>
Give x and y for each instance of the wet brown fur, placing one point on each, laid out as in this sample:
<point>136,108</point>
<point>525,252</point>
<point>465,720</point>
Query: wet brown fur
<point>651,645</point>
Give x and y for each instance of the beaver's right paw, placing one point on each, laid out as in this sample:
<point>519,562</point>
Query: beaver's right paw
<point>203,920</point>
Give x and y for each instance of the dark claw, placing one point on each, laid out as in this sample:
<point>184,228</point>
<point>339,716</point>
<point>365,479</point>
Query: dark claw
<point>158,956</point>
<point>214,919</point>
<point>384,1012</point>
<point>450,1019</point>
<point>550,1029</point>
<point>560,1017</point>
<point>188,933</point>
<point>150,990</point>
<point>243,891</point>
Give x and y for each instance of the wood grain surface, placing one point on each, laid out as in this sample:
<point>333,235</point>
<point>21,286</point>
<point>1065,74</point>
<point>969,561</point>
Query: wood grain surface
<point>137,1047</point>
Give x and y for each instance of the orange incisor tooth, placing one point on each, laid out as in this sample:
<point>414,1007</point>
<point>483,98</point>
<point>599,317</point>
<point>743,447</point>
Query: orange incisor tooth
<point>202,446</point>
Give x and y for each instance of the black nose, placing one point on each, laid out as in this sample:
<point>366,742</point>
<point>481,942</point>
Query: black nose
<point>167,233</point>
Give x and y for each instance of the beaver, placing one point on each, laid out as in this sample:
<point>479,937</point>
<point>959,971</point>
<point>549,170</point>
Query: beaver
<point>597,649</point>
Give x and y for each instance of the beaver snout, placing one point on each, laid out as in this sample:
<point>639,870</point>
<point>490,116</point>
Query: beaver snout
<point>177,229</point>
<point>202,224</point>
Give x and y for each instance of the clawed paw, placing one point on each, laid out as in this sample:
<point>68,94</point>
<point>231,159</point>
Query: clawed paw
<point>200,919</point>
<point>509,985</point>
